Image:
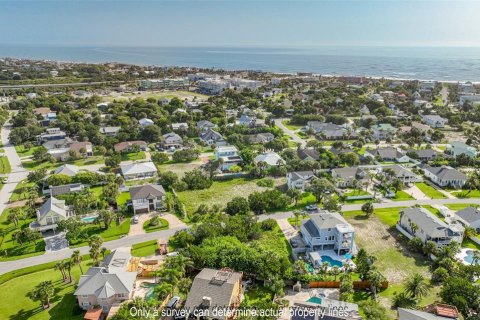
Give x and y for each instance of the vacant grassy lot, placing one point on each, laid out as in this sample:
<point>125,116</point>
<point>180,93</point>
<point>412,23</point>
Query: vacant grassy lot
<point>144,249</point>
<point>394,261</point>
<point>179,168</point>
<point>133,156</point>
<point>112,233</point>
<point>19,306</point>
<point>292,127</point>
<point>458,206</point>
<point>158,95</point>
<point>429,191</point>
<point>161,226</point>
<point>13,249</point>
<point>4,165</point>
<point>219,193</point>
<point>402,196</point>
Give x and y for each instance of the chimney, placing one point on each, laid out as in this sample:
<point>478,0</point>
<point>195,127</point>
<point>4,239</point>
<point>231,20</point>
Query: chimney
<point>207,301</point>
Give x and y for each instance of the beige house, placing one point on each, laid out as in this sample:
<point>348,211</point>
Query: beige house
<point>108,284</point>
<point>50,214</point>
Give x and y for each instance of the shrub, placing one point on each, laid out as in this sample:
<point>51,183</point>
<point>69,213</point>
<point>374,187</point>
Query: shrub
<point>267,183</point>
<point>268,225</point>
<point>439,275</point>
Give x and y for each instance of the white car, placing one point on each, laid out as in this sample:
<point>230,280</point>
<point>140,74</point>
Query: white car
<point>135,219</point>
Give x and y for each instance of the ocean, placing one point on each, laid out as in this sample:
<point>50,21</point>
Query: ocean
<point>422,63</point>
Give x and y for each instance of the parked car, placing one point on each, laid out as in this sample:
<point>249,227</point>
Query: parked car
<point>293,243</point>
<point>311,207</point>
<point>135,219</point>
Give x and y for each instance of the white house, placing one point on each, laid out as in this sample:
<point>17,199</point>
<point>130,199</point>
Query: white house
<point>421,223</point>
<point>457,148</point>
<point>434,121</point>
<point>328,231</point>
<point>138,170</point>
<point>299,179</point>
<point>50,214</point>
<point>445,176</point>
<point>271,158</point>
<point>229,157</point>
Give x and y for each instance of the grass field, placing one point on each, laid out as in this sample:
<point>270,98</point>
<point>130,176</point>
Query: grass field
<point>22,152</point>
<point>13,249</point>
<point>466,194</point>
<point>458,206</point>
<point>19,306</point>
<point>158,95</point>
<point>429,191</point>
<point>112,233</point>
<point>144,249</point>
<point>4,165</point>
<point>161,226</point>
<point>402,196</point>
<point>219,193</point>
<point>21,191</point>
<point>123,198</point>
<point>133,156</point>
<point>388,216</point>
<point>292,127</point>
<point>179,168</point>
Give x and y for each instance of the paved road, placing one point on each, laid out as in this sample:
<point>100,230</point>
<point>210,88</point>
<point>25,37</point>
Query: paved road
<point>66,253</point>
<point>46,85</point>
<point>17,174</point>
<point>289,132</point>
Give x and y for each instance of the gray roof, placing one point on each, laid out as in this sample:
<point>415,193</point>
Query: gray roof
<point>386,153</point>
<point>400,171</point>
<point>211,135</point>
<point>308,153</point>
<point>469,214</point>
<point>99,282</point>
<point>52,204</point>
<point>67,169</point>
<point>350,173</point>
<point>172,137</point>
<point>147,191</point>
<point>408,314</point>
<point>445,173</point>
<point>323,220</point>
<point>428,222</point>
<point>218,285</point>
<point>424,153</point>
<point>301,175</point>
<point>205,124</point>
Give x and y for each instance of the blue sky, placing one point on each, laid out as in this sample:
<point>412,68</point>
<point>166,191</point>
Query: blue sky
<point>231,23</point>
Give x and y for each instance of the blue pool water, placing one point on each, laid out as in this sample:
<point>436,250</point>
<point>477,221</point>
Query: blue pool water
<point>469,257</point>
<point>316,300</point>
<point>332,262</point>
<point>88,219</point>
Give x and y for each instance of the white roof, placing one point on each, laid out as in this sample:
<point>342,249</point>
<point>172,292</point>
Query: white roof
<point>67,169</point>
<point>145,121</point>
<point>271,158</point>
<point>136,168</point>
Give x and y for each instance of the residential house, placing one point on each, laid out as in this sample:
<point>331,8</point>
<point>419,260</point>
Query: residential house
<point>387,154</point>
<point>172,140</point>
<point>420,222</point>
<point>67,169</point>
<point>84,148</point>
<point>145,122</point>
<point>212,137</point>
<point>445,176</point>
<point>435,312</point>
<point>204,125</point>
<point>271,158</point>
<point>51,134</point>
<point>50,214</point>
<point>146,198</point>
<point>423,155</point>
<point>325,308</point>
<point>331,131</point>
<point>110,131</point>
<point>260,138</point>
<point>350,177</point>
<point>181,126</point>
<point>308,154</point>
<point>65,189</point>
<point>328,231</point>
<point>299,179</point>
<point>457,148</point>
<point>215,289</point>
<point>402,173</point>
<point>434,121</point>
<point>246,120</point>
<point>469,217</point>
<point>108,284</point>
<point>229,157</point>
<point>138,170</point>
<point>128,146</point>
<point>383,131</point>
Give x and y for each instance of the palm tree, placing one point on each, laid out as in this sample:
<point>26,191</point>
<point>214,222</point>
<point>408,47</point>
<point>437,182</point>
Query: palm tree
<point>335,271</point>
<point>470,232</point>
<point>103,251</point>
<point>68,266</point>
<point>429,248</point>
<point>181,263</point>
<point>476,257</point>
<point>77,259</point>
<point>60,267</point>
<point>43,292</point>
<point>376,280</point>
<point>416,286</point>
<point>296,214</point>
<point>14,216</point>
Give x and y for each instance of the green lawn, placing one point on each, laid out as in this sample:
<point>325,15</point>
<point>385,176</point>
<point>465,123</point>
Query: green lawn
<point>144,249</point>
<point>4,165</point>
<point>388,216</point>
<point>458,206</point>
<point>21,190</point>
<point>434,211</point>
<point>161,226</point>
<point>133,156</point>
<point>275,241</point>
<point>123,198</point>
<point>292,127</point>
<point>35,165</point>
<point>468,243</point>
<point>112,233</point>
<point>13,249</point>
<point>22,152</point>
<point>19,306</point>
<point>429,191</point>
<point>88,161</point>
<point>219,193</point>
<point>402,196</point>
<point>466,194</point>
<point>257,295</point>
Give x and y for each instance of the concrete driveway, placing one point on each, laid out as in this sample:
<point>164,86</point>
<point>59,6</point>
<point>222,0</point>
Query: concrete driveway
<point>56,242</point>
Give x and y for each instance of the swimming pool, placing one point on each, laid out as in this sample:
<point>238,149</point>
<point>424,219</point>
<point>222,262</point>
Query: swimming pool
<point>316,300</point>
<point>332,262</point>
<point>469,257</point>
<point>89,219</point>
